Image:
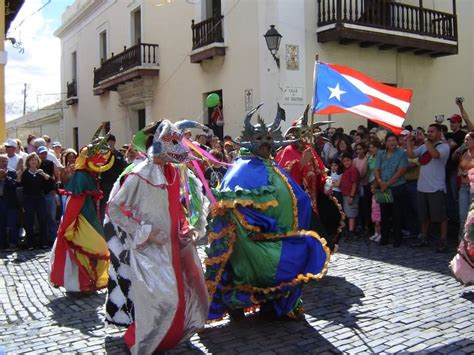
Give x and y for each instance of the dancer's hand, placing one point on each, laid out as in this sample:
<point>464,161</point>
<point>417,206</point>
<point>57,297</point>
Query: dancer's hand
<point>156,237</point>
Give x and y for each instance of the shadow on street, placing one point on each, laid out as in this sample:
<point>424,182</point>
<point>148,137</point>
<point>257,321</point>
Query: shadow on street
<point>425,258</point>
<point>85,317</point>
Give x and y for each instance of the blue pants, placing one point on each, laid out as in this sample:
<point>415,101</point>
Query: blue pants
<point>50,199</point>
<point>8,224</point>
<point>35,206</point>
<point>464,203</point>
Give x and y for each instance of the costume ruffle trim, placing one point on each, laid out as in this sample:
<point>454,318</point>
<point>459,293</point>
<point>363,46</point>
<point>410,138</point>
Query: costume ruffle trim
<point>230,233</point>
<point>293,197</point>
<point>222,206</point>
<point>301,278</point>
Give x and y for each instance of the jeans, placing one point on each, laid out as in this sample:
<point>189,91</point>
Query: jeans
<point>464,202</point>
<point>8,224</point>
<point>411,212</point>
<point>50,200</point>
<point>35,205</point>
<point>452,196</point>
<point>392,215</point>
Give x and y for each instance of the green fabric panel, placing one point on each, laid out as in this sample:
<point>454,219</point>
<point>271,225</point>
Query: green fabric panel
<point>261,260</point>
<point>82,181</point>
<point>283,213</point>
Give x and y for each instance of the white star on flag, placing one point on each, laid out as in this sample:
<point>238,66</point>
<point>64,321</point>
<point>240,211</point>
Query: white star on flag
<point>336,92</point>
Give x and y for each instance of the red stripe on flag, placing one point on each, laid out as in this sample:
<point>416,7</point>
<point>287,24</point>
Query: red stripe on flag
<point>383,105</point>
<point>399,93</point>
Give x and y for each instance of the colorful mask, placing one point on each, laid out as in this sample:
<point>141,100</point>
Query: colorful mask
<point>300,129</point>
<point>254,136</point>
<point>96,156</point>
<point>167,140</point>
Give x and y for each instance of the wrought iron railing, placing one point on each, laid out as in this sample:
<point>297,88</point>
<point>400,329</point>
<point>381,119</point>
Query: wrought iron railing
<point>71,89</point>
<point>388,15</point>
<point>207,32</point>
<point>141,54</point>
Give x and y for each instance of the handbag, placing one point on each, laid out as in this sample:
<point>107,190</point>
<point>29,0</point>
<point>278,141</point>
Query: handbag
<point>384,196</point>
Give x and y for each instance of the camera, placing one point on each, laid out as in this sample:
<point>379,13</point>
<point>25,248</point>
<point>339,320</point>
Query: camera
<point>439,118</point>
<point>459,100</point>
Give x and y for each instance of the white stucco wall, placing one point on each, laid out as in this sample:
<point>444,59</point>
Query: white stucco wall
<point>179,89</point>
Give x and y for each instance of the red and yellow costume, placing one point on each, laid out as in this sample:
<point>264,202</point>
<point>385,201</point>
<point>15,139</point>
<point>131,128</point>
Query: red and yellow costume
<point>80,256</point>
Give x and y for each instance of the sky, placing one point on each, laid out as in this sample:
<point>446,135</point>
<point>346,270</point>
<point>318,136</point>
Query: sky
<point>38,65</point>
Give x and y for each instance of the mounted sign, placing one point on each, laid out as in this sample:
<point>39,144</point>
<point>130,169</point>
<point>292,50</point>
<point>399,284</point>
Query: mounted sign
<point>293,95</point>
<point>248,99</point>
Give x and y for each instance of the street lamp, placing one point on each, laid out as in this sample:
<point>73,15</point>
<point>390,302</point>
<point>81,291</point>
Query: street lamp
<point>273,38</point>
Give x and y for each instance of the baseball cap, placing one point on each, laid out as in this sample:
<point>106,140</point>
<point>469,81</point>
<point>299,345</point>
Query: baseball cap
<point>41,150</point>
<point>455,118</point>
<point>10,143</point>
<point>56,144</point>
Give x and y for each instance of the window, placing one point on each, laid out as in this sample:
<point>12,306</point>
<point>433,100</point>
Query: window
<point>136,26</point>
<point>106,126</point>
<point>215,115</point>
<point>212,8</point>
<point>103,46</point>
<point>75,138</point>
<point>74,66</point>
<point>141,119</point>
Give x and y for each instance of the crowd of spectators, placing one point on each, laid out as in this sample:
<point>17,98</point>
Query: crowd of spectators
<point>396,187</point>
<point>391,187</point>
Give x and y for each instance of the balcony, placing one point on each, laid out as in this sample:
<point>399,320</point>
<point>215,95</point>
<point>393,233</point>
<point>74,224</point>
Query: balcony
<point>388,25</point>
<point>133,63</point>
<point>71,93</point>
<point>208,39</point>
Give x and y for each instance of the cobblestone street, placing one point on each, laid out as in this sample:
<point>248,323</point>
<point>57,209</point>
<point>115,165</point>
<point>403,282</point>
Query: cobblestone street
<point>374,300</point>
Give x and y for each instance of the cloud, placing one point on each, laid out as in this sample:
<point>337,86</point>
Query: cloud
<point>38,66</point>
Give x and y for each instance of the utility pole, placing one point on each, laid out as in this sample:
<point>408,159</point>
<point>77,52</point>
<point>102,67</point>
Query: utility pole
<point>3,62</point>
<point>24,100</point>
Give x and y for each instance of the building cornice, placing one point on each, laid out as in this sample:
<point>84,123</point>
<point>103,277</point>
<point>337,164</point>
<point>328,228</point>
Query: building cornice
<point>81,13</point>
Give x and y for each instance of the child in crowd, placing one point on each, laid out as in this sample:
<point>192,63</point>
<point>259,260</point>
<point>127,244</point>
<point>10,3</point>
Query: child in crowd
<point>376,217</point>
<point>349,188</point>
<point>336,174</point>
<point>215,172</point>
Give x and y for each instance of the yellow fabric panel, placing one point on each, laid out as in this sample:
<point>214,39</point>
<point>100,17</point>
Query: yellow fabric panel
<point>87,243</point>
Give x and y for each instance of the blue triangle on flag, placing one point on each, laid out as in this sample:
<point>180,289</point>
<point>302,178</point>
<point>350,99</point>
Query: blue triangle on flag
<point>332,89</point>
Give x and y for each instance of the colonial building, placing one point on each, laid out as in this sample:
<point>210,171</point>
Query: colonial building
<point>129,62</point>
<point>47,120</point>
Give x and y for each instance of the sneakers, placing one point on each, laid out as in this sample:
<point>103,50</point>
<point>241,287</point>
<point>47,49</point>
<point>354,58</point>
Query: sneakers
<point>442,248</point>
<point>376,237</point>
<point>421,243</point>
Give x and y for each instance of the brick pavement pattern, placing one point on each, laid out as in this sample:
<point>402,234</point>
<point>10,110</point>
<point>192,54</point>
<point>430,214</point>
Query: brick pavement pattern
<point>374,300</point>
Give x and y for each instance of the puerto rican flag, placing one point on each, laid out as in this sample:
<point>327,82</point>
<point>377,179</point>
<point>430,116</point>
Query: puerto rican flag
<point>340,89</point>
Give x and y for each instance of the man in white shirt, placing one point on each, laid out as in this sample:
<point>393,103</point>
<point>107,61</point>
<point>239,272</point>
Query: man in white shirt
<point>431,187</point>
<point>13,158</point>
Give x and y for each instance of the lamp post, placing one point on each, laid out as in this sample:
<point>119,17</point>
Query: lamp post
<point>273,38</point>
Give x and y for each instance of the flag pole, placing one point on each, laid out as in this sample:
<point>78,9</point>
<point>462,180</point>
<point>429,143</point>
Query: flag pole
<point>316,57</point>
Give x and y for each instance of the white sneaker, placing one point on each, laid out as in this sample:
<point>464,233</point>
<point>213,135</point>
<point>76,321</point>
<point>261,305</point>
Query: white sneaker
<point>377,239</point>
<point>374,237</point>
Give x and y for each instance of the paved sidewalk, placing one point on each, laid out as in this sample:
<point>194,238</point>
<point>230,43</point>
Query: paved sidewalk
<point>374,300</point>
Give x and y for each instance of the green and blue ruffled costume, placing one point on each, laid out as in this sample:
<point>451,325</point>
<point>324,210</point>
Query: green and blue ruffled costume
<point>261,250</point>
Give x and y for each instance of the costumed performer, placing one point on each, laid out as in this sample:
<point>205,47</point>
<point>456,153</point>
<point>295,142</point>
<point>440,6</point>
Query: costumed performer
<point>169,293</point>
<point>120,299</point>
<point>80,258</point>
<point>260,248</point>
<point>462,265</point>
<point>304,165</point>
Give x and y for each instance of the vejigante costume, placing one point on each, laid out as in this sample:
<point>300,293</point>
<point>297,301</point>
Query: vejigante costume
<point>80,257</point>
<point>261,250</point>
<point>157,285</point>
